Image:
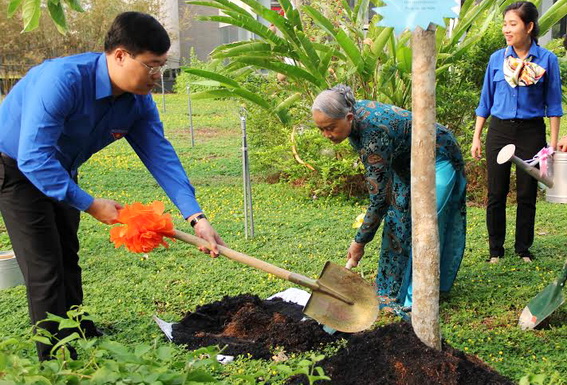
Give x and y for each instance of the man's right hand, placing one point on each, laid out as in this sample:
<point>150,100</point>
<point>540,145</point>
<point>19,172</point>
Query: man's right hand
<point>204,230</point>
<point>104,210</point>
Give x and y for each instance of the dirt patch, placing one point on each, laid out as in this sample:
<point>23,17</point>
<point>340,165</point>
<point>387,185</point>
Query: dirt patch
<point>392,354</point>
<point>246,324</point>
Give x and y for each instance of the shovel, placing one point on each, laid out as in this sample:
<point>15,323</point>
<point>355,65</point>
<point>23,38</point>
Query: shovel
<point>545,303</point>
<point>341,299</point>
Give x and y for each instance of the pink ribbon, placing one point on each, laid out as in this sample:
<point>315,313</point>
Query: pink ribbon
<point>541,157</point>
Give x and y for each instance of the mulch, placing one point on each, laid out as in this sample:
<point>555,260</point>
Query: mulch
<point>249,326</point>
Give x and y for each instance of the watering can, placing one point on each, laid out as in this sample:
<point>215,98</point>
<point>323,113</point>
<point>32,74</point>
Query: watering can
<point>550,298</point>
<point>555,181</point>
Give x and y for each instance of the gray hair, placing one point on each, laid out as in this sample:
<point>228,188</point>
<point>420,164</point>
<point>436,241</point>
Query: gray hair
<point>336,102</point>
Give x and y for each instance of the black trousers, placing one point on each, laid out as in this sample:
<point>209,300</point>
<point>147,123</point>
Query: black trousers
<point>529,137</point>
<point>43,233</point>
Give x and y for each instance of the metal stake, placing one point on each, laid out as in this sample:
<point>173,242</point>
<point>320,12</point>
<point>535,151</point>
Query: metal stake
<point>190,111</point>
<point>162,93</point>
<point>248,214</point>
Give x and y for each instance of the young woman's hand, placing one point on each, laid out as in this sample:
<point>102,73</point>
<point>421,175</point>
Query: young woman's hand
<point>476,149</point>
<point>562,144</point>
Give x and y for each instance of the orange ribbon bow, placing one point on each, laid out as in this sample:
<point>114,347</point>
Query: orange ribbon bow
<point>144,228</point>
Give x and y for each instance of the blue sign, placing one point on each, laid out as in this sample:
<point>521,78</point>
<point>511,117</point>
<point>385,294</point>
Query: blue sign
<point>409,14</point>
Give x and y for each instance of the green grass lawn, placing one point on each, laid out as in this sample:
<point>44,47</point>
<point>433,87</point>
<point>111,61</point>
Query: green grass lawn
<point>292,230</point>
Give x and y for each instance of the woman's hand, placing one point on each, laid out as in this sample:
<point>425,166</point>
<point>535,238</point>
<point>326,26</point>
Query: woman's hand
<point>562,144</point>
<point>476,149</point>
<point>354,254</point>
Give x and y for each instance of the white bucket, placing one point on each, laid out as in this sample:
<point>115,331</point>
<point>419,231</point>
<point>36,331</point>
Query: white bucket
<point>10,273</point>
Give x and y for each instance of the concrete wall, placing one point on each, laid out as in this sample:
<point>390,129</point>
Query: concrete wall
<point>544,6</point>
<point>170,20</point>
<point>202,36</point>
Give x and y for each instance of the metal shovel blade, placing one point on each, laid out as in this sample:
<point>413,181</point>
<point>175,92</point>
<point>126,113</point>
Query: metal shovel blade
<point>541,306</point>
<point>545,303</point>
<point>357,315</point>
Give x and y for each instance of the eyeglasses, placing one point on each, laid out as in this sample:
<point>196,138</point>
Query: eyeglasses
<point>152,70</point>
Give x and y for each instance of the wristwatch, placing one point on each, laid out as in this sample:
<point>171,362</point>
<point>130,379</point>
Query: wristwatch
<point>197,219</point>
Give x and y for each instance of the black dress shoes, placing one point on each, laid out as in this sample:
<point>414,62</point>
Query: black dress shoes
<point>90,329</point>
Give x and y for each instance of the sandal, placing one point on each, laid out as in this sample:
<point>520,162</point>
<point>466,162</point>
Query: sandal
<point>526,256</point>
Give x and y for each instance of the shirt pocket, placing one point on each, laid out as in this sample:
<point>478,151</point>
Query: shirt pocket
<point>501,87</point>
<point>498,77</point>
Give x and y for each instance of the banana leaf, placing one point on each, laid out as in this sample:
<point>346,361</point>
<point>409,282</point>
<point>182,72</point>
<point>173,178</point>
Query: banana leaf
<point>552,16</point>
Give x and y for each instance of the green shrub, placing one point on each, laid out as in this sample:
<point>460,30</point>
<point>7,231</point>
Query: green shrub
<point>338,170</point>
<point>102,361</point>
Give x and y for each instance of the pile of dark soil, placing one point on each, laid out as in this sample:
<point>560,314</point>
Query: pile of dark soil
<point>246,324</point>
<point>394,355</point>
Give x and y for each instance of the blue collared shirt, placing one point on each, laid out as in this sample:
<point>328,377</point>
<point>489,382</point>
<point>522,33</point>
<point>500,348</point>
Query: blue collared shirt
<point>63,111</point>
<point>499,99</point>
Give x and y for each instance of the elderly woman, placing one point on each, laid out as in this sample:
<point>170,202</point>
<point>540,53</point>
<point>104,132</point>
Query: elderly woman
<point>381,135</point>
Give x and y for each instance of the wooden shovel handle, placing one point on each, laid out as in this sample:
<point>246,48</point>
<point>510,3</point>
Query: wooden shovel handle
<point>250,261</point>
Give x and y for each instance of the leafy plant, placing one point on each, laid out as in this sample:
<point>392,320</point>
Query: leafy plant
<point>376,63</point>
<point>111,362</point>
<point>86,32</point>
<point>306,367</point>
<point>104,362</point>
<point>542,379</point>
<point>31,12</point>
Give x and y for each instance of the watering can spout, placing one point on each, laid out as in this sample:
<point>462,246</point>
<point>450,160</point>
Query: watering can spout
<point>506,154</point>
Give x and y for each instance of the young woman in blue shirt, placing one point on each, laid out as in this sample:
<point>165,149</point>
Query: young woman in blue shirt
<point>521,86</point>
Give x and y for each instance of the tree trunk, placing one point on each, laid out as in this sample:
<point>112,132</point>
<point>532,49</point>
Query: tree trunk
<point>425,237</point>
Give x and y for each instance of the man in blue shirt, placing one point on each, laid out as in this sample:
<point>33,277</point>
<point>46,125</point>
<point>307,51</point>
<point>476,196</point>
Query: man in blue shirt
<point>52,121</point>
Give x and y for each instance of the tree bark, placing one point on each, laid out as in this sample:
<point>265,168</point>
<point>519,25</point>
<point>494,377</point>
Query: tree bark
<point>425,237</point>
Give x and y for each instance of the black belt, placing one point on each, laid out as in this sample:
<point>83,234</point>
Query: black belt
<point>517,121</point>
